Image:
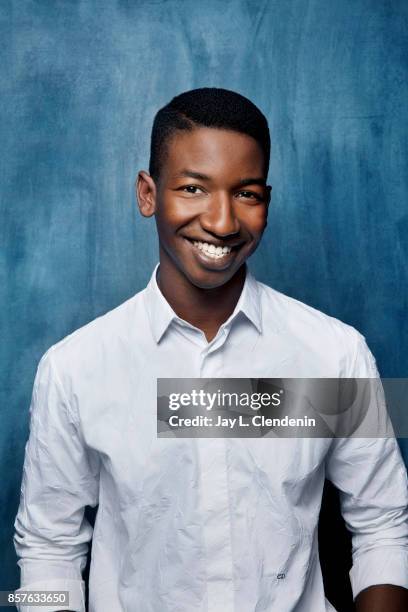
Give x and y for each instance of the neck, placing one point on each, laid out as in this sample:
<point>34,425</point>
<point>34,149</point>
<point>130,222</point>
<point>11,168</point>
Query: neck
<point>206,309</point>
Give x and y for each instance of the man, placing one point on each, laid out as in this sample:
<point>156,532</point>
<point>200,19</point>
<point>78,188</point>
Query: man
<point>216,524</point>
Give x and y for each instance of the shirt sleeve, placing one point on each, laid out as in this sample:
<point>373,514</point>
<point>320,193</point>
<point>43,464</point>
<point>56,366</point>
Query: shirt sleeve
<point>372,480</point>
<point>59,479</point>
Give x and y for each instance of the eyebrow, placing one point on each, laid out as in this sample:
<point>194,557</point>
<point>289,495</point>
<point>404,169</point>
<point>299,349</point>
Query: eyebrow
<point>203,177</point>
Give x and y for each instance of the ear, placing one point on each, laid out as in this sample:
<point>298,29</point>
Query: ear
<point>146,194</point>
<point>269,192</point>
<point>268,200</point>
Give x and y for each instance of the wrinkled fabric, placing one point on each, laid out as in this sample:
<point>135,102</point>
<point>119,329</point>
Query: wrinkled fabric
<point>198,525</point>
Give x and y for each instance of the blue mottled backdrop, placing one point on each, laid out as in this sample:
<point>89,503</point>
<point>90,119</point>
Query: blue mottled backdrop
<point>80,82</point>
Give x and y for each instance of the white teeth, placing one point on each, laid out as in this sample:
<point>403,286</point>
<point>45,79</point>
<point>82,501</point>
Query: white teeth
<point>215,252</point>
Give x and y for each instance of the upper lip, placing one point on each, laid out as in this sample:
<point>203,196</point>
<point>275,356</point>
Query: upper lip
<point>216,243</point>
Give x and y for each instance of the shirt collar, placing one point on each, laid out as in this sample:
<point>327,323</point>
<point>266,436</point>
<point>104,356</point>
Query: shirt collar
<point>161,313</point>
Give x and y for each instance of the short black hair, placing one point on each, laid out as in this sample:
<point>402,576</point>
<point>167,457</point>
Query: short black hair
<point>207,107</point>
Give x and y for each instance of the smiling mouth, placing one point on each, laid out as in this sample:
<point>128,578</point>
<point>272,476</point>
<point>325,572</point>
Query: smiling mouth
<point>213,251</point>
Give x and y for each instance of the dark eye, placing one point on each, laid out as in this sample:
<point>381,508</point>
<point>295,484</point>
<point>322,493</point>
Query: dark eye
<point>250,195</point>
<point>191,189</point>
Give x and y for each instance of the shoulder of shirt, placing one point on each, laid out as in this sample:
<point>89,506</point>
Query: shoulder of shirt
<point>110,327</point>
<point>295,317</point>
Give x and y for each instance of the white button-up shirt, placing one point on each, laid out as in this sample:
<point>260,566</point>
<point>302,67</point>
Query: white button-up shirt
<point>197,525</point>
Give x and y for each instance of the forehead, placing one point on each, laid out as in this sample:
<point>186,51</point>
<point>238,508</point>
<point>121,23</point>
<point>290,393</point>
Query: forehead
<point>214,152</point>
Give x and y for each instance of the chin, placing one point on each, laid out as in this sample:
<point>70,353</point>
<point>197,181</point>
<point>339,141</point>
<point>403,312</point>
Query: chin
<point>210,280</point>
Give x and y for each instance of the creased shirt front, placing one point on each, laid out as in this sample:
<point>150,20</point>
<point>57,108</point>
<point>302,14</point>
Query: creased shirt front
<point>197,525</point>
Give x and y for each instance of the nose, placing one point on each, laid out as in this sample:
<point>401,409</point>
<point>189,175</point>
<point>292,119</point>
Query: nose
<point>220,217</point>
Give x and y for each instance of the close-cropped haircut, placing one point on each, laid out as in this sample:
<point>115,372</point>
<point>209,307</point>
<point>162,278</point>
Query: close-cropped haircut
<point>207,107</point>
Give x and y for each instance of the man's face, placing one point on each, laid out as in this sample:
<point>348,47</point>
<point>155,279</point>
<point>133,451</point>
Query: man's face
<point>211,204</point>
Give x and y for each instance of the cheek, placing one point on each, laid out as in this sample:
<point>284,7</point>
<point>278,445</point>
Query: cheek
<point>255,220</point>
<point>172,214</point>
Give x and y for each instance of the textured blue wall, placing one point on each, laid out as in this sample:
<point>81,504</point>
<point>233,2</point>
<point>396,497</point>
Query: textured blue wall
<point>80,83</point>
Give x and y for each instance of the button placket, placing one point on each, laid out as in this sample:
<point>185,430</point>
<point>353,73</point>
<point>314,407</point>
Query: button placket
<point>215,506</point>
<point>215,503</point>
